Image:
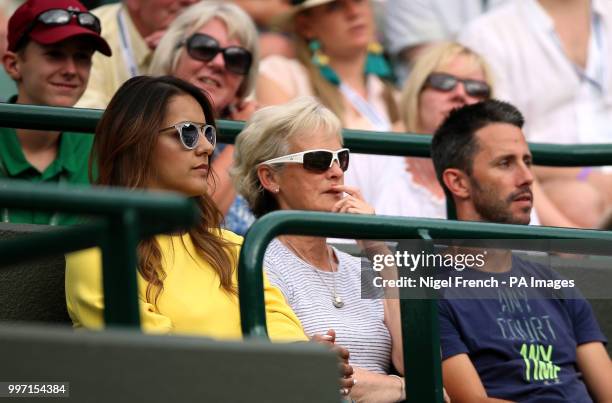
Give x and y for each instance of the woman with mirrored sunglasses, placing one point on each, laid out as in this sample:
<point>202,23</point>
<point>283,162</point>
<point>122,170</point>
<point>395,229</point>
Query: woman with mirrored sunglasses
<point>290,157</point>
<point>158,134</point>
<point>447,76</point>
<point>198,48</point>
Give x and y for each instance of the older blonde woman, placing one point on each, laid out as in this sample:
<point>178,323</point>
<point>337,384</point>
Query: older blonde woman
<point>290,157</point>
<point>214,46</point>
<point>445,77</point>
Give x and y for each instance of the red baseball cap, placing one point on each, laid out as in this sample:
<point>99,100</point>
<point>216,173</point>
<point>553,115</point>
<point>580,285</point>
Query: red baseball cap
<point>23,22</point>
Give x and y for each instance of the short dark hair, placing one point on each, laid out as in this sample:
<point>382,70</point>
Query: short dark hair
<point>454,143</point>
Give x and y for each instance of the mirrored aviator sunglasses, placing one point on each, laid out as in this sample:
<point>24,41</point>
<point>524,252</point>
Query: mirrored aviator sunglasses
<point>60,16</point>
<point>204,47</point>
<point>315,160</point>
<point>447,82</point>
<point>189,133</point>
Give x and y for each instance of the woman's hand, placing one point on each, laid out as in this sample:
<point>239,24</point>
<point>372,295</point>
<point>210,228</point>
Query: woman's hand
<point>329,338</point>
<point>446,398</point>
<point>346,370</point>
<point>353,203</point>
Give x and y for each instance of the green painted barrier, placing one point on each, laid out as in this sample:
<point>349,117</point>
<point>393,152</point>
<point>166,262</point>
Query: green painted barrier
<point>406,144</point>
<point>130,224</point>
<point>122,219</point>
<point>419,317</point>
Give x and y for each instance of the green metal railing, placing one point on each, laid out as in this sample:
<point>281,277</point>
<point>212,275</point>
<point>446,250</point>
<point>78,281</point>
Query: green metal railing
<point>124,220</point>
<point>121,219</point>
<point>405,144</point>
<point>419,317</point>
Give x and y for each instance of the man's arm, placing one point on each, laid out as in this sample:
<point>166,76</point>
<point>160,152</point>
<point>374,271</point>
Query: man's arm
<point>596,367</point>
<point>462,382</point>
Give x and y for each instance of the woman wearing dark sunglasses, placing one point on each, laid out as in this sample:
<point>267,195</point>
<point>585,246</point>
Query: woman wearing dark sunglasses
<point>444,77</point>
<point>199,48</point>
<point>290,157</point>
<point>159,134</point>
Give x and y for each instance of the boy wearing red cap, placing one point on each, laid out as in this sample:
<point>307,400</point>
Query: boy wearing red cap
<point>50,46</point>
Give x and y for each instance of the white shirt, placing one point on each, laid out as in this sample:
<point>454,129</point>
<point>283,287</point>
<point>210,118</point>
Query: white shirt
<point>562,103</point>
<point>388,187</point>
<point>414,22</point>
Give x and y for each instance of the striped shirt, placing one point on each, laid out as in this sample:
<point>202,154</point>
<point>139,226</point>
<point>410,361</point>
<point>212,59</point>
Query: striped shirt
<point>359,324</point>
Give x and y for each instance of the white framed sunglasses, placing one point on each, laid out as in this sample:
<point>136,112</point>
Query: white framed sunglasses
<point>314,160</point>
<point>190,133</point>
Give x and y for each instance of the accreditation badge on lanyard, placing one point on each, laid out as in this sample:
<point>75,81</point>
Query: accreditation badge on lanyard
<point>126,46</point>
<point>366,109</point>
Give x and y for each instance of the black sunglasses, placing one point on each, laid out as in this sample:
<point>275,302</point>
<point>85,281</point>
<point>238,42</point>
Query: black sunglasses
<point>315,160</point>
<point>189,133</point>
<point>204,47</point>
<point>59,16</point>
<point>446,82</point>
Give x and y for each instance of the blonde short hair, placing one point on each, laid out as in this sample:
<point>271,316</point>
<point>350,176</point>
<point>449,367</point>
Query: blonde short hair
<point>433,58</point>
<point>239,26</point>
<point>268,134</point>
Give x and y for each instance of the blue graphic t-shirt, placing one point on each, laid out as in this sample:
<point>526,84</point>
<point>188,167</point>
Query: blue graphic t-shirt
<point>523,347</point>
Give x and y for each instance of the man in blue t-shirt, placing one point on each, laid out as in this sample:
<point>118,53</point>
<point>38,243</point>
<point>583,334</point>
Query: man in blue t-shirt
<point>509,344</point>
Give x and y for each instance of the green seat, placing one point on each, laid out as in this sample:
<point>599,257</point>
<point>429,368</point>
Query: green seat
<point>32,290</point>
<point>127,366</point>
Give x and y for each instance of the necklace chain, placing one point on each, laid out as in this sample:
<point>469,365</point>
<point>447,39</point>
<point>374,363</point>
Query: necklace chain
<point>336,299</point>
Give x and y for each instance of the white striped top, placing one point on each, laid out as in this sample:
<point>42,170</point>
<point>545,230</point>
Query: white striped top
<point>359,324</point>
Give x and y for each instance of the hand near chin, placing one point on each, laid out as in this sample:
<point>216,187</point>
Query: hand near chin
<point>352,203</point>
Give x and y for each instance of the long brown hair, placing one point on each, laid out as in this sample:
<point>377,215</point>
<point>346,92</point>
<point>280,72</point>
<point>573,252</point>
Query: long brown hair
<point>123,148</point>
